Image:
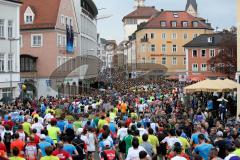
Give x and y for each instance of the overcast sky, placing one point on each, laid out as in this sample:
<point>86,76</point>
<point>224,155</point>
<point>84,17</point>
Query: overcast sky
<point>221,13</point>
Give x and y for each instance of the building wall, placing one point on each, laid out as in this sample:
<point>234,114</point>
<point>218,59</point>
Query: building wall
<point>199,60</point>
<point>169,41</point>
<point>129,29</point>
<point>10,11</point>
<point>51,54</point>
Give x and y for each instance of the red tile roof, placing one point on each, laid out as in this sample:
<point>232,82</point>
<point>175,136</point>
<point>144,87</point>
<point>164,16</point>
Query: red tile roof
<point>168,16</point>
<point>141,13</point>
<point>46,12</point>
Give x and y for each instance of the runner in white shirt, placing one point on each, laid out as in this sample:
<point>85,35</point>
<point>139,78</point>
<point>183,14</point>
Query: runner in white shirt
<point>142,131</point>
<point>38,126</point>
<point>171,139</point>
<point>133,152</point>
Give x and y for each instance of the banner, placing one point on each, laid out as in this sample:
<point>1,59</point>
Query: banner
<point>70,39</point>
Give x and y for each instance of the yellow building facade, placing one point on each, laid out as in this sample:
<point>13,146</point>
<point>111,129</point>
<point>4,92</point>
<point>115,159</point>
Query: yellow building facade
<point>164,44</point>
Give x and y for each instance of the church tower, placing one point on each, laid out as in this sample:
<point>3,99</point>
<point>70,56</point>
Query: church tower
<point>139,3</point>
<point>191,8</point>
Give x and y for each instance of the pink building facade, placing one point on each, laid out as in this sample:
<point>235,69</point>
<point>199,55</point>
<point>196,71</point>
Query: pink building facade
<point>43,45</point>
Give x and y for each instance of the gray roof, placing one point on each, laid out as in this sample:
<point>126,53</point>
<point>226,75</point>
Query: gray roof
<point>191,2</point>
<point>202,40</point>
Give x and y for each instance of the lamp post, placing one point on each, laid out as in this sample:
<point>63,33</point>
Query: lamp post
<point>11,71</point>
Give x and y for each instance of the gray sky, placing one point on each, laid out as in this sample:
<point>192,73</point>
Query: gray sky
<point>221,13</point>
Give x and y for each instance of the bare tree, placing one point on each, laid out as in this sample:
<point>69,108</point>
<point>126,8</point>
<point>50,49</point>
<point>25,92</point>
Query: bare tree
<point>226,60</point>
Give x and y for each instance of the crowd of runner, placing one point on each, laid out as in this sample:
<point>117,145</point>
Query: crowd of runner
<point>133,122</point>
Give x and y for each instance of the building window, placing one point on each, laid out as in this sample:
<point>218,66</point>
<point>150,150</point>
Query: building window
<point>143,60</point>
<point>203,53</point>
<point>27,64</point>
<point>195,24</point>
<point>66,20</point>
<point>10,29</point>
<point>29,19</point>
<point>175,15</point>
<point>62,19</point>
<point>164,36</point>
<point>194,53</point>
<point>152,35</point>
<point>6,92</point>
<point>64,41</point>
<point>174,36</point>
<point>210,39</point>
<point>59,40</point>
<point>10,62</point>
<point>174,61</point>
<point>143,48</point>
<point>153,60</point>
<point>2,62</point>
<point>163,23</point>
<point>212,52</point>
<point>174,48</point>
<point>131,21</point>
<point>70,21</point>
<point>36,40</point>
<point>195,67</point>
<point>58,61</point>
<point>163,47</point>
<point>195,35</point>
<point>153,47</point>
<point>204,67</point>
<point>174,24</point>
<point>1,28</point>
<point>75,42</point>
<point>185,24</point>
<point>164,59</point>
<point>185,35</point>
<point>184,60</point>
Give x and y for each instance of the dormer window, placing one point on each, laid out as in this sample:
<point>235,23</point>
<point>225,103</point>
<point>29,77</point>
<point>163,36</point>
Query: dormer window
<point>29,19</point>
<point>185,24</point>
<point>174,24</point>
<point>175,15</point>
<point>163,24</point>
<point>210,39</point>
<point>28,16</point>
<point>195,24</point>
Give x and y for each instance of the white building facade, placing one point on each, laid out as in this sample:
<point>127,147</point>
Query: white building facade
<point>86,12</point>
<point>9,48</point>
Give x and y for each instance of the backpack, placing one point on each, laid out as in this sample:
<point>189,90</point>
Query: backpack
<point>7,137</point>
<point>31,152</point>
<point>80,145</point>
<point>109,154</point>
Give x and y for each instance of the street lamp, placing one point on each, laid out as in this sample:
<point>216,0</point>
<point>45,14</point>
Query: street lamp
<point>11,71</point>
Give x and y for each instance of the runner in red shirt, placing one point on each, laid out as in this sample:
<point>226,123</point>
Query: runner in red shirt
<point>60,153</point>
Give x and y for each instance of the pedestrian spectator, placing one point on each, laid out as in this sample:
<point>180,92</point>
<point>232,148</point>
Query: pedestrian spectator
<point>203,149</point>
<point>49,156</point>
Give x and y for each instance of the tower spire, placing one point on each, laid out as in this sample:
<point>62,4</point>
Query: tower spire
<point>191,7</point>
